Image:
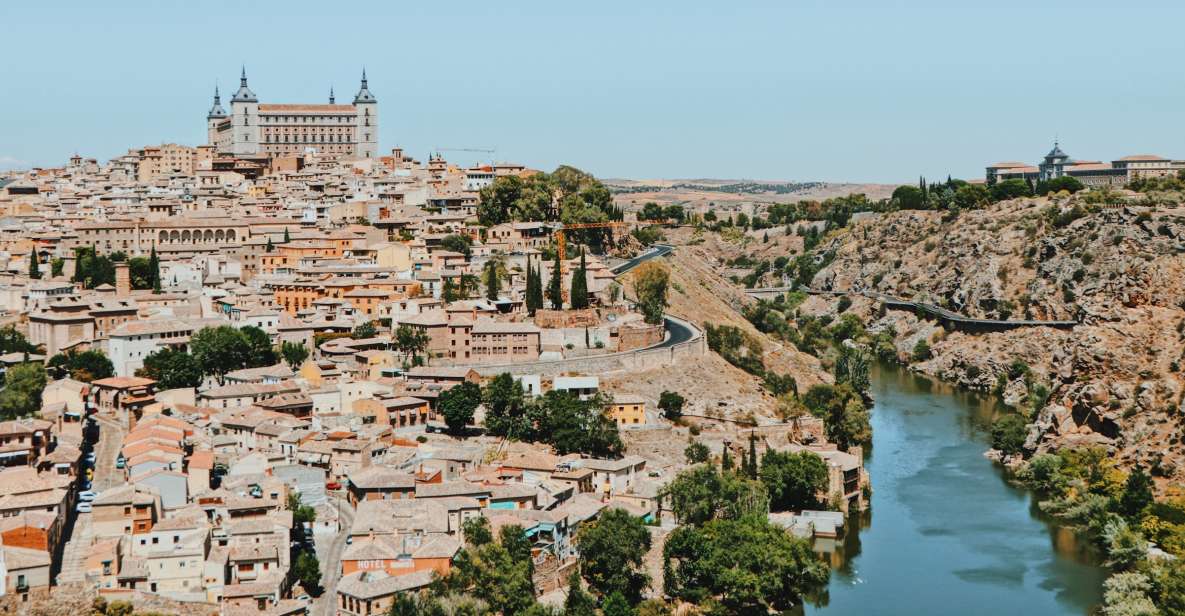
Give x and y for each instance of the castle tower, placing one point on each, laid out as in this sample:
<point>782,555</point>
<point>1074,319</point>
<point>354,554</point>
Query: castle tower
<point>367,121</point>
<point>244,111</point>
<point>216,115</point>
<point>332,100</point>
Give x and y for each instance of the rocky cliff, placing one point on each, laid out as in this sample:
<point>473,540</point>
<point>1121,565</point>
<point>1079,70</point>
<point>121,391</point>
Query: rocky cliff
<point>1115,379</point>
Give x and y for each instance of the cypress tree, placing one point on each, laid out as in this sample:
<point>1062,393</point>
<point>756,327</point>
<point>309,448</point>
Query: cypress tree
<point>492,281</point>
<point>726,460</point>
<point>579,291</point>
<point>154,270</point>
<point>287,238</point>
<point>752,456</point>
<point>537,289</point>
<point>555,288</point>
<point>34,266</point>
<point>269,246</point>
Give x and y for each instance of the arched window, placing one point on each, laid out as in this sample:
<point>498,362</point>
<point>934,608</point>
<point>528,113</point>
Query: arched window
<point>185,236</point>
<point>174,237</point>
<point>164,236</point>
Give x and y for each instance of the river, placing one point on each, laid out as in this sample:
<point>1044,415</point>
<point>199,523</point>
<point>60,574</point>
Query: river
<point>946,534</point>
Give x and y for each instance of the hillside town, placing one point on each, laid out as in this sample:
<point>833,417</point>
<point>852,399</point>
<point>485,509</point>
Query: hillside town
<point>300,380</point>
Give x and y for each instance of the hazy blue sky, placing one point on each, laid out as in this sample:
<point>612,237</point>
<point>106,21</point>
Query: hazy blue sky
<point>829,90</point>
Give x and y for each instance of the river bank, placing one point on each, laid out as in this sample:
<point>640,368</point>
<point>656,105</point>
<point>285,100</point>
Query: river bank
<point>946,533</point>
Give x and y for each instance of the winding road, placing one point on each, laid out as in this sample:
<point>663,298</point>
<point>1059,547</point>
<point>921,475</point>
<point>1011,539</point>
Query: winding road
<point>656,250</point>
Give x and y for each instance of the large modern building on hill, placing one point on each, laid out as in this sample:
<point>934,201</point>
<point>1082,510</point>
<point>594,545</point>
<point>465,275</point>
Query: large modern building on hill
<point>1094,173</point>
<point>269,129</point>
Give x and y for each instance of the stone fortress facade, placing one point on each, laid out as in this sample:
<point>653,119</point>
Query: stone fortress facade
<point>276,130</point>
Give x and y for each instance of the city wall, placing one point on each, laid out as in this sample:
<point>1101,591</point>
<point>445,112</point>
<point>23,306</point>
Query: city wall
<point>640,359</point>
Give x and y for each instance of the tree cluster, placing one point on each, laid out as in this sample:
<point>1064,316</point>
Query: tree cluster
<point>558,418</point>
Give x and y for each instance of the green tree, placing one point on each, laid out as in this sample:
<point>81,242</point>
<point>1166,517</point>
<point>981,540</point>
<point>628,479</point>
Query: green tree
<point>921,350</point>
<point>301,513</point>
<point>611,551</point>
<point>34,266</point>
<point>671,404</point>
<point>573,425</point>
<point>536,295</point>
<point>617,605</point>
<point>971,196</point>
<point>794,480</point>
<point>909,197</point>
<point>154,269</point>
<point>747,566</point>
<point>307,570</point>
<point>56,267</point>
<point>411,341</point>
<point>458,243</point>
<point>21,395</point>
<point>139,271</point>
<point>364,331</point>
<point>1009,433</point>
<point>457,404</point>
<point>287,238</point>
<point>488,571</point>
<point>1137,494</point>
<point>13,341</point>
<point>476,531</point>
<point>555,292</point>
<point>1010,189</point>
<point>696,453</point>
<point>294,353</point>
<point>493,286</point>
<point>219,350</point>
<point>449,292</point>
<point>85,366</point>
<point>171,369</point>
<point>845,418</point>
<point>578,602</point>
<point>704,493</point>
<point>578,295</point>
<point>505,407</point>
<point>260,351</point>
<point>650,286</point>
<point>516,542</point>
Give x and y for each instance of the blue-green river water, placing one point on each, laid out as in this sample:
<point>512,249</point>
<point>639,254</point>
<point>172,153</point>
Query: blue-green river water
<point>946,534</point>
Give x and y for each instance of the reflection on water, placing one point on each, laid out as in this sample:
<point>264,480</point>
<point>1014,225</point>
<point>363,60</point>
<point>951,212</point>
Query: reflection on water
<point>951,536</point>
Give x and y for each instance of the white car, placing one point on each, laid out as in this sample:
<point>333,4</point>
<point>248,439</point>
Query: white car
<point>83,507</point>
<point>87,496</point>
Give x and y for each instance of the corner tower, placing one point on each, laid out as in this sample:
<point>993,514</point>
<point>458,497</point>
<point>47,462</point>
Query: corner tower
<point>244,111</point>
<point>366,123</point>
<point>216,115</point>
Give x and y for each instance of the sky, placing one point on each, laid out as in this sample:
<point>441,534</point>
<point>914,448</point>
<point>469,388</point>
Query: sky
<point>834,90</point>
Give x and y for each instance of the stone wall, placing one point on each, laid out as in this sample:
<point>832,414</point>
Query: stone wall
<point>558,319</point>
<point>639,336</point>
<point>640,359</point>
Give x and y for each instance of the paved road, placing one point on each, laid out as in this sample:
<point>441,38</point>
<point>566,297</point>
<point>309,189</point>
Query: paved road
<point>111,434</point>
<point>330,557</point>
<point>656,250</point>
<point>680,333</point>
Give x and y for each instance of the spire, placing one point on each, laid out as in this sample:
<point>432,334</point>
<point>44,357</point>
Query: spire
<point>216,111</point>
<point>364,95</point>
<point>244,95</point>
<point>331,99</point>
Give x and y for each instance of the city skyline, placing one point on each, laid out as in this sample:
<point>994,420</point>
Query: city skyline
<point>857,92</point>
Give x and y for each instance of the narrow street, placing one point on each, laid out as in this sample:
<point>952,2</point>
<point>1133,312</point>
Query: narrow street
<point>106,476</point>
<point>329,554</point>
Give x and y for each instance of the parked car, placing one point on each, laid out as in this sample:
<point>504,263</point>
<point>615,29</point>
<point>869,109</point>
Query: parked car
<point>90,458</point>
<point>119,463</point>
<point>87,496</point>
<point>333,485</point>
<point>83,507</point>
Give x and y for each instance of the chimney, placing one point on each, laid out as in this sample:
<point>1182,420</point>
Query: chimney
<point>123,280</point>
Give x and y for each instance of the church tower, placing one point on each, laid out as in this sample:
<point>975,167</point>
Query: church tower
<point>366,109</point>
<point>217,114</point>
<point>244,111</point>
